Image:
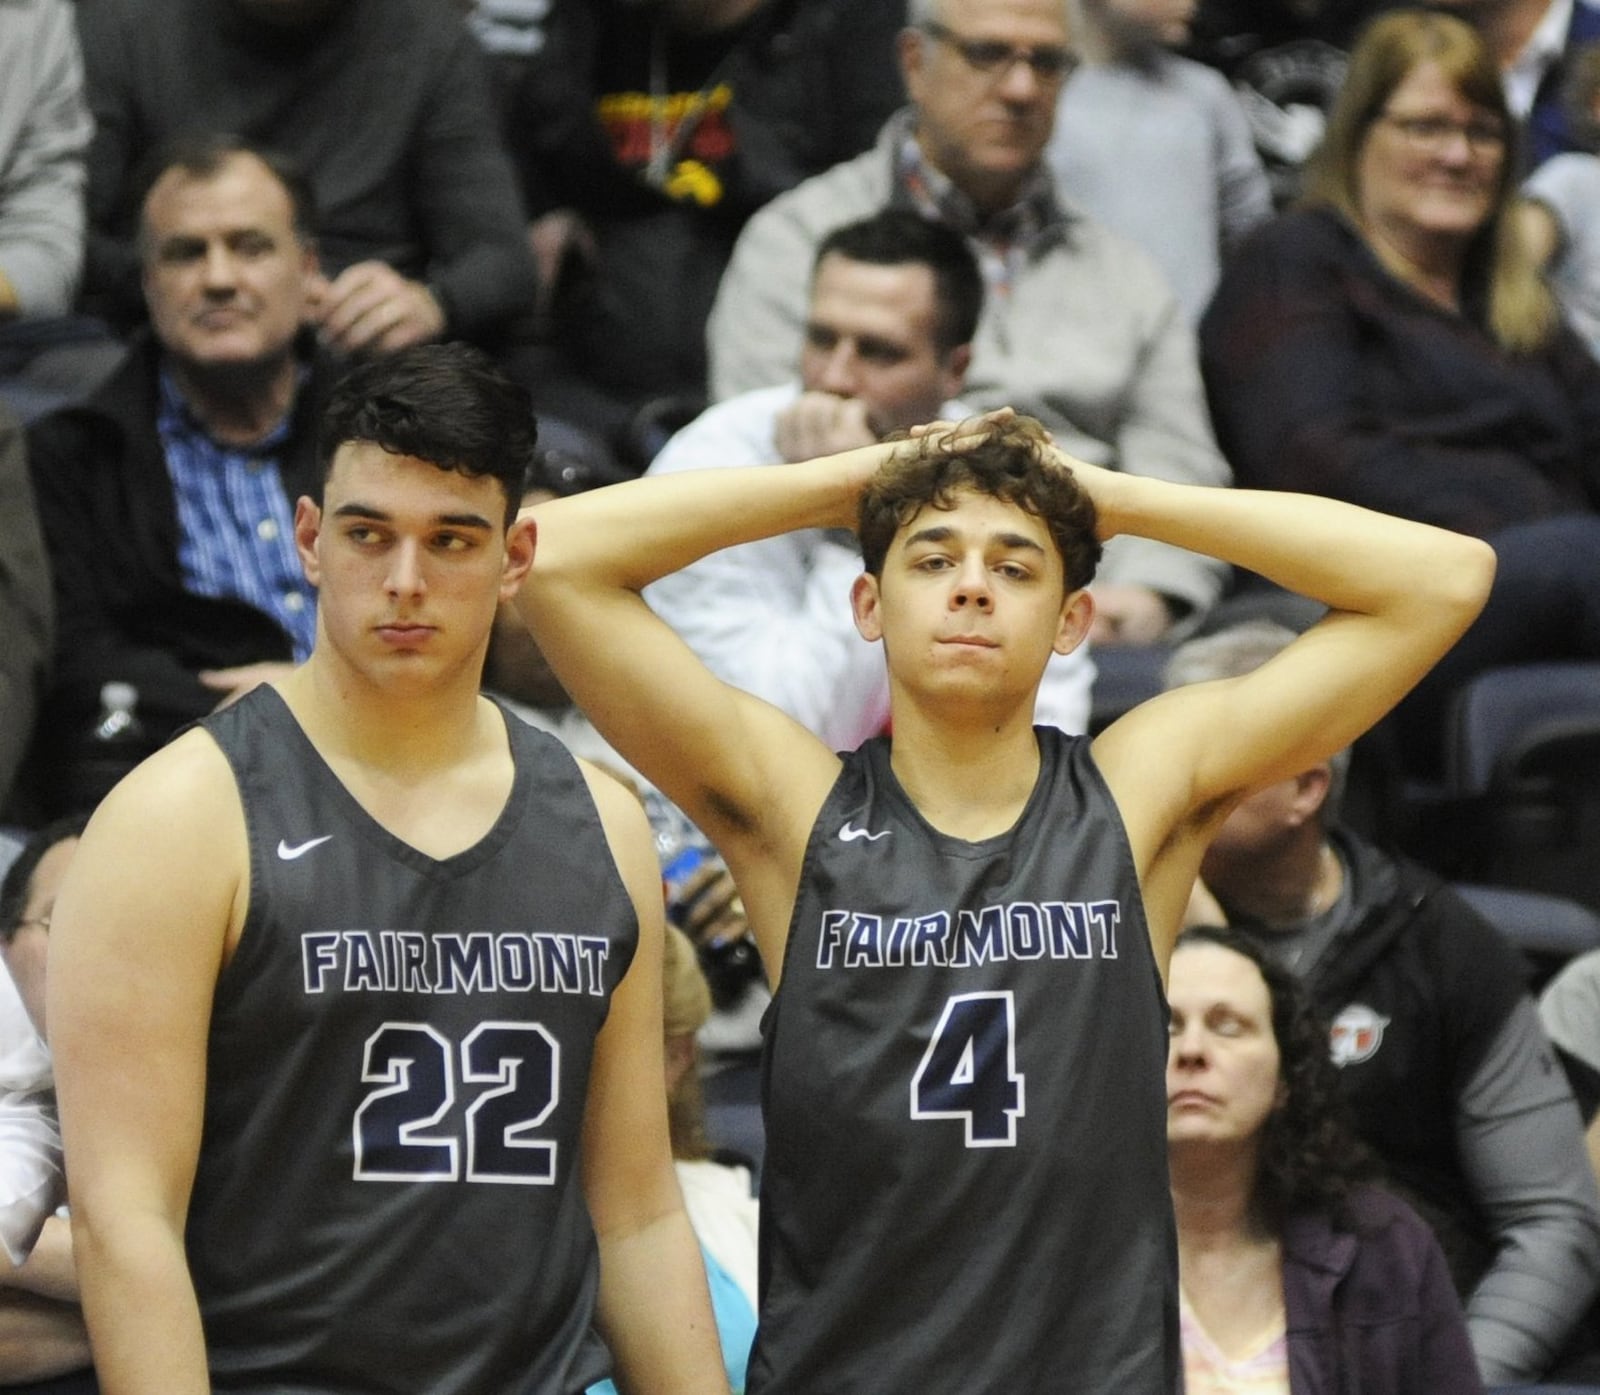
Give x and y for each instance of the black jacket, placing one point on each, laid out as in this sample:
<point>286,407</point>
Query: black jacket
<point>1418,987</point>
<point>110,523</point>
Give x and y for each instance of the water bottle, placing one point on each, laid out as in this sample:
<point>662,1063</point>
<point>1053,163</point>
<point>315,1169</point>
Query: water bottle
<point>681,849</point>
<point>113,746</point>
<point>119,723</point>
<point>729,961</point>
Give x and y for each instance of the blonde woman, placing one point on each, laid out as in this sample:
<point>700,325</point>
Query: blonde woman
<point>1391,344</point>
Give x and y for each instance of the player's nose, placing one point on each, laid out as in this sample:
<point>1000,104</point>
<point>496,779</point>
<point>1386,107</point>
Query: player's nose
<point>972,585</point>
<point>405,569</point>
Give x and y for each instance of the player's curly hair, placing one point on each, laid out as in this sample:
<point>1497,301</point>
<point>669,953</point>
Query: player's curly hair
<point>1011,464</point>
<point>1310,1159</point>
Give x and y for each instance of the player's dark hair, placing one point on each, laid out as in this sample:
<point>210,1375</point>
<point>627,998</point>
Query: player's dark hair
<point>19,875</point>
<point>1009,464</point>
<point>444,403</point>
<point>203,154</point>
<point>898,237</point>
<point>1310,1157</point>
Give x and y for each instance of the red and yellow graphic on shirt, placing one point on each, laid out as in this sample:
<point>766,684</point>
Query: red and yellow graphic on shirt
<point>692,125</point>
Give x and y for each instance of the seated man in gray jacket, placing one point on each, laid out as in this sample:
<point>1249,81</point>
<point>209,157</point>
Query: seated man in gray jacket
<point>1079,328</point>
<point>893,304</point>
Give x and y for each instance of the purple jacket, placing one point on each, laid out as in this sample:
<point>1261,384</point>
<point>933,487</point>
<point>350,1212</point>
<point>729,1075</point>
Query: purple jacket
<point>1370,1305</point>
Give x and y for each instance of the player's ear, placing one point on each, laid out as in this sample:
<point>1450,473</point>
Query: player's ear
<point>865,606</point>
<point>307,529</point>
<point>521,538</point>
<point>1077,617</point>
<point>1311,791</point>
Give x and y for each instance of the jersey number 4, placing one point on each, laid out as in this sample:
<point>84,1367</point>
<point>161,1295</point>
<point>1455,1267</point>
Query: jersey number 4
<point>398,1133</point>
<point>969,1070</point>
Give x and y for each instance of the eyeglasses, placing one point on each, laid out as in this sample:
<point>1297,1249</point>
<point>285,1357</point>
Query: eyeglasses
<point>1048,62</point>
<point>1434,133</point>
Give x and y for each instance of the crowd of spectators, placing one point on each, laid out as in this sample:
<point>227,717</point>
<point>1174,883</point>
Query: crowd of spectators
<point>1342,247</point>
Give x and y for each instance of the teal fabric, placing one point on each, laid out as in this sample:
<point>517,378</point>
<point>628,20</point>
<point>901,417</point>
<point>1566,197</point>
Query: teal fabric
<point>736,1326</point>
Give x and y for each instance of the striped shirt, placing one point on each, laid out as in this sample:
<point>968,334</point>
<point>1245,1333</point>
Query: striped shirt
<point>235,523</point>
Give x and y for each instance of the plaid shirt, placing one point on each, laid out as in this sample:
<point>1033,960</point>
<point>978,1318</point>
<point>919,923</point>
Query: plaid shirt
<point>1000,240</point>
<point>235,523</point>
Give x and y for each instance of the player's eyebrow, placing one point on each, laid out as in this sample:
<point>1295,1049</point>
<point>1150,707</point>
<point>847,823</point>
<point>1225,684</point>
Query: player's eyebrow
<point>1018,542</point>
<point>356,509</point>
<point>943,533</point>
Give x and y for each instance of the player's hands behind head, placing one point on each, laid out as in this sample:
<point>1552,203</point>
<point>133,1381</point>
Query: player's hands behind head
<point>974,427</point>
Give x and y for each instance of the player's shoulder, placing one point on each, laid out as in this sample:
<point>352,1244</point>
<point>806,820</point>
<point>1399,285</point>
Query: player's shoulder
<point>169,840</point>
<point>183,795</point>
<point>1139,734</point>
<point>617,799</point>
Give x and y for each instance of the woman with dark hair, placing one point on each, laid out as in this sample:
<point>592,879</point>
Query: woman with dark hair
<point>1391,343</point>
<point>1298,1278</point>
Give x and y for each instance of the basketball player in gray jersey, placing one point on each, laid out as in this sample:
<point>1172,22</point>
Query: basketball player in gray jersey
<point>357,1025</point>
<point>965,1179</point>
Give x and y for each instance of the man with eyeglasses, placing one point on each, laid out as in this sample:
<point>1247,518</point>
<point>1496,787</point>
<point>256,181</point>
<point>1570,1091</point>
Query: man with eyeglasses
<point>1079,328</point>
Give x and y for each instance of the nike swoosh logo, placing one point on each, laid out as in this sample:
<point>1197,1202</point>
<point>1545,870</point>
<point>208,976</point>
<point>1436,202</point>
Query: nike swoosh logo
<point>288,853</point>
<point>847,834</point>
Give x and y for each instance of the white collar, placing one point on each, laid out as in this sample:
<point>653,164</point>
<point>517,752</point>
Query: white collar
<point>1544,47</point>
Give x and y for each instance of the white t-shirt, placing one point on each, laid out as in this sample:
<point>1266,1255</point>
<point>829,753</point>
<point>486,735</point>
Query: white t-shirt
<point>1569,186</point>
<point>31,1180</point>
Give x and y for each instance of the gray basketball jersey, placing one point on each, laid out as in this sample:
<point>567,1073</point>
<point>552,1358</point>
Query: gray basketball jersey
<point>388,1193</point>
<point>965,1186</point>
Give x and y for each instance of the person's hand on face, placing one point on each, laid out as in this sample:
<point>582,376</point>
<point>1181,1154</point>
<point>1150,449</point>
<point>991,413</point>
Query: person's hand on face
<point>819,423</point>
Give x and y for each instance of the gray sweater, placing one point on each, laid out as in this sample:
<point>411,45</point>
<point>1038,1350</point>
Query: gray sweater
<point>44,131</point>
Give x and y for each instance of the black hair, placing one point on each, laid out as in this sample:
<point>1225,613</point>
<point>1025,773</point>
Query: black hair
<point>447,404</point>
<point>19,875</point>
<point>898,237</point>
<point>1310,1157</point>
<point>202,154</point>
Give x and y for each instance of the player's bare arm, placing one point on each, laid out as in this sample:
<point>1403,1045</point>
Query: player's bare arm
<point>1399,595</point>
<point>145,920</point>
<point>748,775</point>
<point>654,1306</point>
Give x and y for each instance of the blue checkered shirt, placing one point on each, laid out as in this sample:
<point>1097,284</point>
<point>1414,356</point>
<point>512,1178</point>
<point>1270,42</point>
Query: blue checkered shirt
<point>235,524</point>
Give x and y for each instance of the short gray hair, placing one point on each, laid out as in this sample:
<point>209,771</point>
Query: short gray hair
<point>1242,649</point>
<point>921,13</point>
